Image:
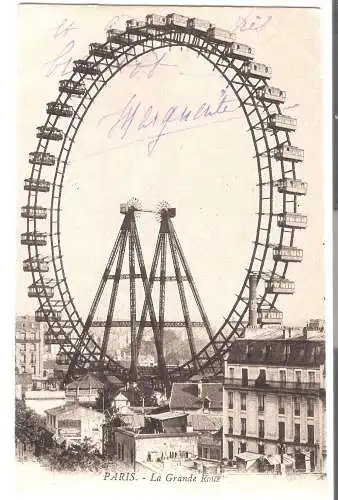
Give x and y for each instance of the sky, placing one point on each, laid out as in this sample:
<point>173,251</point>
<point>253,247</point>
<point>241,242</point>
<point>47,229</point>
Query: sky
<point>203,167</point>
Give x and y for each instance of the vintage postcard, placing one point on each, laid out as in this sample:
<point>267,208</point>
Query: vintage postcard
<point>171,314</point>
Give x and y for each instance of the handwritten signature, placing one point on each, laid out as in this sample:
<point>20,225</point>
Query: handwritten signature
<point>136,117</point>
<point>62,63</point>
<point>250,22</point>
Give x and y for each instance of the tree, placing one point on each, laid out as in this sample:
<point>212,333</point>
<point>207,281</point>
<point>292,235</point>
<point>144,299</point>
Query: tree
<point>104,399</point>
<point>81,456</point>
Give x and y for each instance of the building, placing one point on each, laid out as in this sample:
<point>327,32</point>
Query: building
<point>199,397</point>
<point>73,423</point>
<point>142,449</point>
<point>85,390</point>
<point>274,400</point>
<point>29,346</point>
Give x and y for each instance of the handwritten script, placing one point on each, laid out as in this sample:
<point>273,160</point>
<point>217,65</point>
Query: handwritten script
<point>135,117</point>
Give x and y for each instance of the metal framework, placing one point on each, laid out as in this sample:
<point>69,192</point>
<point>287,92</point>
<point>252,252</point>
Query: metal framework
<point>275,156</point>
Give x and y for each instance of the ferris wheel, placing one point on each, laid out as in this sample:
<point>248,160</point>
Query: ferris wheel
<point>276,158</point>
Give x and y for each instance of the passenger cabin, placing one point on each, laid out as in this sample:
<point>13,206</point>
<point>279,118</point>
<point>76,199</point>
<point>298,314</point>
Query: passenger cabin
<point>241,51</point>
<point>39,185</point>
<point>35,264</point>
<point>292,220</point>
<point>60,109</point>
<point>270,317</point>
<point>134,25</point>
<point>177,20</point>
<point>62,358</point>
<point>292,186</point>
<point>39,290</point>
<point>257,70</point>
<point>282,122</point>
<point>41,158</point>
<point>199,25</point>
<point>33,212</point>
<point>117,36</point>
<point>155,20</point>
<point>220,35</point>
<point>72,88</point>
<point>34,238</point>
<point>51,337</point>
<point>86,67</point>
<point>101,50</point>
<point>45,313</point>
<point>287,254</point>
<point>280,285</point>
<point>291,153</point>
<point>50,133</point>
<point>271,94</point>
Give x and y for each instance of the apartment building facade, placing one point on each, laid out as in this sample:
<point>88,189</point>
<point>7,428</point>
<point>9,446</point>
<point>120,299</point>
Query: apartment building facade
<point>274,401</point>
<point>29,346</point>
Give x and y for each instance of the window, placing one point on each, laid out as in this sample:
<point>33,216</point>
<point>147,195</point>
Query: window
<point>298,377</point>
<point>261,428</point>
<point>260,402</point>
<point>282,377</point>
<point>261,380</point>
<point>244,377</point>
<point>261,449</point>
<point>310,434</point>
<point>281,405</point>
<point>311,377</point>
<point>297,433</point>
<point>243,401</point>
<point>281,431</point>
<point>230,400</point>
<point>296,407</point>
<point>206,404</point>
<point>242,447</point>
<point>231,425</point>
<point>230,450</point>
<point>310,407</point>
<point>243,426</point>
<point>231,373</point>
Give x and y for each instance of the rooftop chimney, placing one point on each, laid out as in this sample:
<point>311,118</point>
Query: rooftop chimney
<point>253,300</point>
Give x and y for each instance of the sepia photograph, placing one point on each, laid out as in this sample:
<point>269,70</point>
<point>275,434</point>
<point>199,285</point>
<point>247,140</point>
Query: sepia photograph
<point>171,314</point>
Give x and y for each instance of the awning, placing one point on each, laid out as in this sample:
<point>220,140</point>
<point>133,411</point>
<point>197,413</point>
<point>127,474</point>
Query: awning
<point>277,460</point>
<point>249,458</point>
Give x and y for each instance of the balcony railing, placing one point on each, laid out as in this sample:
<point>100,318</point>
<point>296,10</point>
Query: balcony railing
<point>273,386</point>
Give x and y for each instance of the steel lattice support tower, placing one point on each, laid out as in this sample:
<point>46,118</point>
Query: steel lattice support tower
<point>168,245</point>
<point>127,242</point>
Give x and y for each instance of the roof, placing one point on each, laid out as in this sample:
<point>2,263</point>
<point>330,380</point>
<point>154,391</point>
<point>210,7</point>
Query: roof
<point>121,396</point>
<point>113,380</point>
<point>184,396</point>
<point>205,422</point>
<point>167,415</point>
<point>86,382</point>
<point>134,421</point>
<point>58,410</point>
<point>278,352</point>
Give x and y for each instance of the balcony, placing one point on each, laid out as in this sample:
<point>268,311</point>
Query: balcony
<point>274,386</point>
